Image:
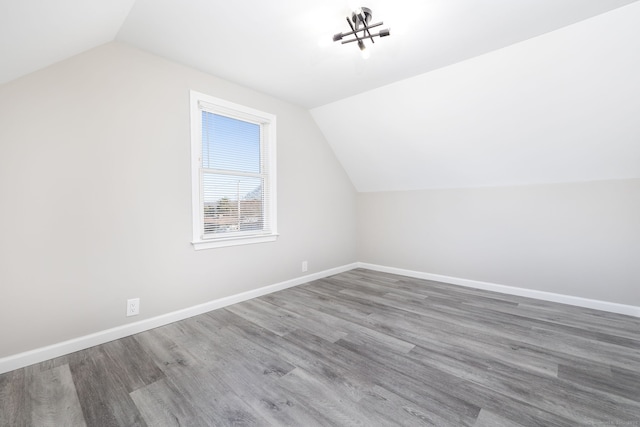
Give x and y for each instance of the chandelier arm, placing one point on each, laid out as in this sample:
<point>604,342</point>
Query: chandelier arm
<point>366,29</point>
<point>377,24</point>
<point>363,38</point>
<point>354,31</point>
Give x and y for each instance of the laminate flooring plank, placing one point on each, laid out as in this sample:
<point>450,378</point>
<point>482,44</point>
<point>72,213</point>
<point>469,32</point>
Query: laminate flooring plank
<point>15,406</point>
<point>513,351</point>
<point>250,354</point>
<point>370,275</point>
<point>553,395</point>
<point>280,323</point>
<point>337,409</point>
<point>489,419</point>
<point>428,395</point>
<point>456,340</point>
<point>161,404</point>
<point>558,328</point>
<point>104,399</point>
<point>298,357</point>
<point>280,320</point>
<point>235,357</point>
<point>423,307</point>
<point>603,380</point>
<point>568,321</point>
<point>585,313</point>
<point>465,334</point>
<point>195,397</point>
<point>627,380</point>
<point>196,337</point>
<point>302,320</point>
<point>430,308</point>
<point>423,291</point>
<point>385,300</point>
<point>383,288</point>
<point>274,402</point>
<point>458,385</point>
<point>52,363</point>
<point>465,390</point>
<point>234,350</point>
<point>396,410</point>
<point>390,300</point>
<point>450,351</point>
<point>356,331</point>
<point>340,283</point>
<point>325,287</point>
<point>334,287</point>
<point>309,296</point>
<point>529,334</point>
<point>321,309</point>
<point>54,401</point>
<point>599,351</point>
<point>447,319</point>
<point>326,377</point>
<point>353,309</point>
<point>595,318</point>
<point>132,363</point>
<point>204,400</point>
<point>254,371</point>
<point>456,290</point>
<point>370,338</point>
<point>456,293</point>
<point>445,331</point>
<point>213,402</point>
<point>345,380</point>
<point>164,351</point>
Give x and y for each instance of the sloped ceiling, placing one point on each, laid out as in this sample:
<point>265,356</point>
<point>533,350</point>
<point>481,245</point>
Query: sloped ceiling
<point>562,107</point>
<point>521,110</point>
<point>38,33</point>
<point>273,46</point>
<point>282,47</point>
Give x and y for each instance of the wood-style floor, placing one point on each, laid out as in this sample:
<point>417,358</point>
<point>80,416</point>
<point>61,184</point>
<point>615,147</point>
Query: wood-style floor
<point>359,348</point>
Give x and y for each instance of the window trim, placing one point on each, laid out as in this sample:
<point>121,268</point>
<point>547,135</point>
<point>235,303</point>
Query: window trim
<point>199,102</point>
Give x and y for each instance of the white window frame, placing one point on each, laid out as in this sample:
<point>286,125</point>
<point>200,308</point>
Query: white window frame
<point>202,102</point>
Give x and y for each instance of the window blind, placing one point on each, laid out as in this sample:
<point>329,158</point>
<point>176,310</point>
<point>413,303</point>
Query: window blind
<point>234,177</point>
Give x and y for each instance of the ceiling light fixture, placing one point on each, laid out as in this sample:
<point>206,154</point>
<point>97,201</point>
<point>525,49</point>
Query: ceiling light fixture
<point>360,29</point>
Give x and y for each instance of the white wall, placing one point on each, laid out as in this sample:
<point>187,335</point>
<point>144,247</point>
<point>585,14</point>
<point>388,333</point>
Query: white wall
<point>95,198</point>
<point>580,239</point>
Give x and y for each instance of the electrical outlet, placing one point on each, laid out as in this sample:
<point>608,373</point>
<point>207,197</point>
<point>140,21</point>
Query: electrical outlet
<point>133,307</point>
<point>305,266</point>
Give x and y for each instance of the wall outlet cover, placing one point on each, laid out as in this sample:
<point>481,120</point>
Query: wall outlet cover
<point>133,307</point>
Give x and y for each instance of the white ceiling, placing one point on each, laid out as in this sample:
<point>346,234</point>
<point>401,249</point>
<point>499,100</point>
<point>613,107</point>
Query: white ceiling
<point>562,107</point>
<point>513,108</point>
<point>273,46</point>
<point>38,33</point>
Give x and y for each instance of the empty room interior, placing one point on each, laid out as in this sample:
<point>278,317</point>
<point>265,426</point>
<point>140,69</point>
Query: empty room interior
<point>320,213</point>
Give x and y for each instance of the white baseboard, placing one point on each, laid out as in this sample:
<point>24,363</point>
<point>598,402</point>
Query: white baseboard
<point>38,355</point>
<point>21,360</point>
<point>612,307</point>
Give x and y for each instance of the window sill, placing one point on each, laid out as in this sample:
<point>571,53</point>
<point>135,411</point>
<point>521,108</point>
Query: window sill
<point>232,241</point>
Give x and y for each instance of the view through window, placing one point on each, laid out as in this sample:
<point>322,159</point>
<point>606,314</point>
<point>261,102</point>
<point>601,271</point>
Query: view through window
<point>235,173</point>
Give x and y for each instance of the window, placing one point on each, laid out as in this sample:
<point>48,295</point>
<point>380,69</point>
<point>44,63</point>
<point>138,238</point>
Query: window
<point>233,162</point>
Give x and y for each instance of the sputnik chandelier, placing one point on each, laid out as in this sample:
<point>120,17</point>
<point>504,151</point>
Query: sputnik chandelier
<point>360,30</point>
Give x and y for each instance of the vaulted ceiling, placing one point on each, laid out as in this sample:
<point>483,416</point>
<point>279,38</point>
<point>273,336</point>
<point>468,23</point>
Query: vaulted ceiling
<point>463,93</point>
<point>561,107</point>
